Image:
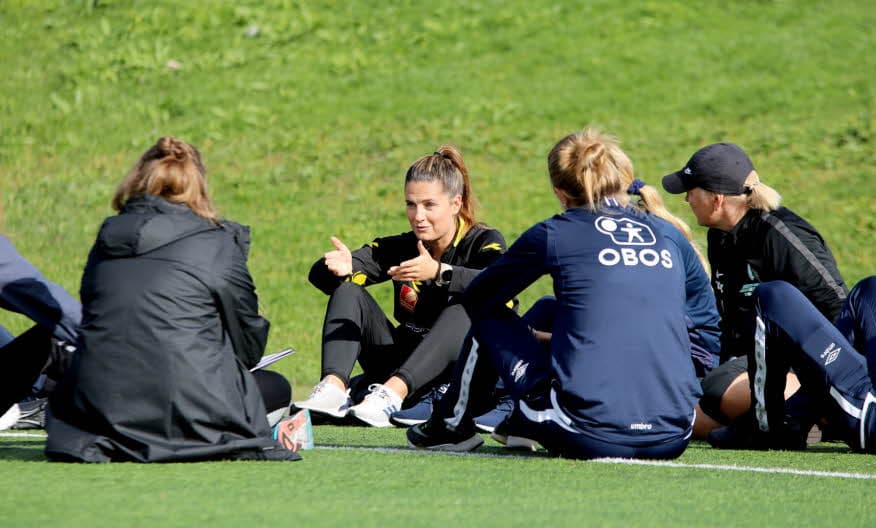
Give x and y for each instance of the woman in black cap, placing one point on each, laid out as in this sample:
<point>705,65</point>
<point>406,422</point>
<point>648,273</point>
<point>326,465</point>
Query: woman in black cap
<point>751,239</point>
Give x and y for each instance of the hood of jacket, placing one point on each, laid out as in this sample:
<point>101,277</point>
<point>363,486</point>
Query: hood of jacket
<point>147,223</point>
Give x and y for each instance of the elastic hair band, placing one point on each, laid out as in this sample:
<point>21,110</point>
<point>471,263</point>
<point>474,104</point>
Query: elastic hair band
<point>636,187</point>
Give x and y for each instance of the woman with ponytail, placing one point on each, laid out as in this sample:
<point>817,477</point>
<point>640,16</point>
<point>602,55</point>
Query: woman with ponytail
<point>170,329</point>
<point>429,267</point>
<point>618,380</point>
<point>752,239</point>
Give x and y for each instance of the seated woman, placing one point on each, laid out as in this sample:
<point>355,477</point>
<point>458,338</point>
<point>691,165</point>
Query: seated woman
<point>701,314</point>
<point>751,239</point>
<point>429,266</point>
<point>835,365</point>
<point>618,380</point>
<point>170,328</point>
<point>56,315</point>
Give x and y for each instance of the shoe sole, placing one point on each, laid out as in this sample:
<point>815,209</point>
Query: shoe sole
<point>340,413</point>
<point>405,422</point>
<point>466,445</point>
<point>516,442</point>
<point>485,428</point>
<point>368,421</point>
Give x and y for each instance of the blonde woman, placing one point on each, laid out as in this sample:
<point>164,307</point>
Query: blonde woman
<point>618,380</point>
<point>752,239</point>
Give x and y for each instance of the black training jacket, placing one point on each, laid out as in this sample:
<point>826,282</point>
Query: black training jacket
<point>417,304</point>
<point>170,326</point>
<point>766,246</point>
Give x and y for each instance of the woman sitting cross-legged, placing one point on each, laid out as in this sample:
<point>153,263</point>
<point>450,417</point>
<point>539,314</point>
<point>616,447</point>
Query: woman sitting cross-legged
<point>170,329</point>
<point>429,267</point>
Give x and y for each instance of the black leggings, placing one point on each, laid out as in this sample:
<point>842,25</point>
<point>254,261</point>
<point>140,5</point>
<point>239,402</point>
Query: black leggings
<point>23,359</point>
<point>275,389</point>
<point>357,329</point>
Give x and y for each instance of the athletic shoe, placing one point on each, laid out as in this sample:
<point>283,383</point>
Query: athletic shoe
<point>434,435</point>
<point>743,434</point>
<point>507,433</point>
<point>377,406</point>
<point>487,422</point>
<point>9,417</point>
<point>327,398</point>
<point>33,414</point>
<point>295,433</point>
<point>420,412</point>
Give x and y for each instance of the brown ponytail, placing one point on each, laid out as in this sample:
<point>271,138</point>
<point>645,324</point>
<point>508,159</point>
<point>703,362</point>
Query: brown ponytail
<point>173,170</point>
<point>447,166</point>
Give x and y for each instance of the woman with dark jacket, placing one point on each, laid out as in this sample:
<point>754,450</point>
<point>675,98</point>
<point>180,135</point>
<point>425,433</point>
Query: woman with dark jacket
<point>170,329</point>
<point>429,267</point>
<point>752,240</point>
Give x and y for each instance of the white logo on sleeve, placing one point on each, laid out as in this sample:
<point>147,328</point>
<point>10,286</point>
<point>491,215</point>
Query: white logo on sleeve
<point>830,354</point>
<point>519,370</point>
<point>626,232</point>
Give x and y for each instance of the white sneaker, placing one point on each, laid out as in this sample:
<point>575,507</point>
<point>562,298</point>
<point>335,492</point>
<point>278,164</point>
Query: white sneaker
<point>327,398</point>
<point>377,406</point>
<point>10,417</point>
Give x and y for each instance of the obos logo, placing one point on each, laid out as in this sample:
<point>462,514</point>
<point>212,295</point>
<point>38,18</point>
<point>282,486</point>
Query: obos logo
<point>634,237</point>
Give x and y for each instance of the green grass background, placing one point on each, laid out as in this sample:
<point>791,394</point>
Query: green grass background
<point>308,127</point>
<point>309,113</point>
<point>365,488</point>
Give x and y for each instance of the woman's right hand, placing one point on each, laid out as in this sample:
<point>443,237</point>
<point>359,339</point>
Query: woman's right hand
<point>339,261</point>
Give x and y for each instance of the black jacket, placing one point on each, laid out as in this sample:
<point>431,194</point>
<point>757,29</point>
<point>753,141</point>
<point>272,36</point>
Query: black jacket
<point>417,304</point>
<point>170,326</point>
<point>766,246</point>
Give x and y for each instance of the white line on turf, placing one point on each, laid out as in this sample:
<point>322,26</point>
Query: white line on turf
<point>626,461</point>
<point>22,435</point>
<point>719,467</point>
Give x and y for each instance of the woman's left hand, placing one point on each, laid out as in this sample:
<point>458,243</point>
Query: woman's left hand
<point>423,267</point>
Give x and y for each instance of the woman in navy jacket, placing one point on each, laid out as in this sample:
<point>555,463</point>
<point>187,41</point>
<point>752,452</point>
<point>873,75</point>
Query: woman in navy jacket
<point>618,380</point>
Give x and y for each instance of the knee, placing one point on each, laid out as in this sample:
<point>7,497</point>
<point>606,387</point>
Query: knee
<point>541,314</point>
<point>865,289</point>
<point>769,294</point>
<point>348,294</point>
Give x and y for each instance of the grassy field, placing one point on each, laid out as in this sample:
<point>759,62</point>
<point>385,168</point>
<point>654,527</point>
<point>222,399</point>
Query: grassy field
<point>308,114</point>
<point>366,477</point>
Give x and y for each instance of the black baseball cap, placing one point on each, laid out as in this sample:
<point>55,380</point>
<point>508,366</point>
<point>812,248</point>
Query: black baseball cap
<point>720,168</point>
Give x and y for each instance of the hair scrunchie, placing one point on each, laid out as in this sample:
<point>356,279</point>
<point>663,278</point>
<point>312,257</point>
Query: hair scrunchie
<point>636,187</point>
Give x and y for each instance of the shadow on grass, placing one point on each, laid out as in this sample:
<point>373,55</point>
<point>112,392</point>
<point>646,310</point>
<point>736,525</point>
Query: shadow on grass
<point>22,451</point>
<point>485,450</point>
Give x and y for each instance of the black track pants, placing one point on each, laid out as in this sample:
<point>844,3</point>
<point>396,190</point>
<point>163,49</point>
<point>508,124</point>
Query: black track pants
<point>356,328</point>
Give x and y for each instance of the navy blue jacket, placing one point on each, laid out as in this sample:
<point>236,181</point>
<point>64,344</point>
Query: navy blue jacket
<point>620,350</point>
<point>703,321</point>
<point>24,290</point>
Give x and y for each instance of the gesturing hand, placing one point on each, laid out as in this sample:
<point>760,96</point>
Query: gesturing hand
<point>421,267</point>
<point>339,261</point>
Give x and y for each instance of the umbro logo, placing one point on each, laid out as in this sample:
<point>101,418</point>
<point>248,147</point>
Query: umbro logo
<point>830,354</point>
<point>687,170</point>
<point>519,370</point>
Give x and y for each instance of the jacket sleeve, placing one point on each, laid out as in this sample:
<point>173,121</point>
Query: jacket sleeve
<point>523,263</point>
<point>487,248</point>
<point>370,263</point>
<point>800,257</point>
<point>24,290</point>
<point>247,329</point>
<point>701,311</point>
